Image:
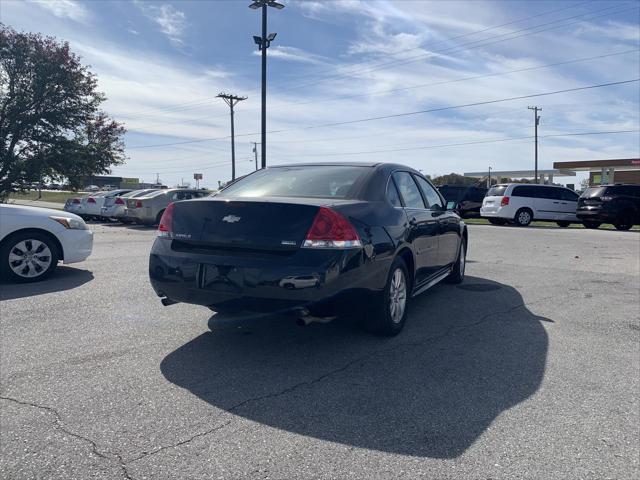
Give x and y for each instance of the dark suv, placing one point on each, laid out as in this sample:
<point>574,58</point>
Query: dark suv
<point>617,204</point>
<point>468,200</point>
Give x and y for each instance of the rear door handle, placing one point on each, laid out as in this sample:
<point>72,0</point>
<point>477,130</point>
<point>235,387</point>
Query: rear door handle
<point>556,202</point>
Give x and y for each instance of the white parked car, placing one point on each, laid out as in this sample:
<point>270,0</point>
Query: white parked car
<point>115,207</point>
<point>523,203</point>
<point>91,206</point>
<point>33,240</point>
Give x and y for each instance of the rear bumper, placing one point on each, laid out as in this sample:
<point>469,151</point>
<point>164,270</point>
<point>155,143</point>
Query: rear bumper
<point>323,281</point>
<point>139,215</point>
<point>495,212</point>
<point>595,214</point>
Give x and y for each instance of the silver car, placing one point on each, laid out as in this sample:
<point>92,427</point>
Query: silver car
<point>116,207</point>
<point>148,209</point>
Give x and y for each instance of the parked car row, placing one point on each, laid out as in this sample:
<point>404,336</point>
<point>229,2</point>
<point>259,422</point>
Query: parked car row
<point>143,207</point>
<point>523,203</point>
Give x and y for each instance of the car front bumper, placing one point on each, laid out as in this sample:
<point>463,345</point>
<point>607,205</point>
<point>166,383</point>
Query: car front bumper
<point>595,214</point>
<point>76,244</point>
<point>323,281</point>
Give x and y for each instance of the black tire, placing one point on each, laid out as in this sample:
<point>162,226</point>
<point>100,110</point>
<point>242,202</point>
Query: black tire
<point>523,217</point>
<point>591,224</point>
<point>45,256</point>
<point>624,221</point>
<point>563,224</point>
<point>497,221</point>
<point>457,273</point>
<point>379,318</point>
<point>158,217</point>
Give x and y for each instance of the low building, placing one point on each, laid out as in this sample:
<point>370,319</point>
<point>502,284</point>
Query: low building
<point>602,172</point>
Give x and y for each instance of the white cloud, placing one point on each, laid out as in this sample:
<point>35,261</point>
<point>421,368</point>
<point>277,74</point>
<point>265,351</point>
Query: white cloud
<point>173,22</point>
<point>293,54</point>
<point>70,9</point>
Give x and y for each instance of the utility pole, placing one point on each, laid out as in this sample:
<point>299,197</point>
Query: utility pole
<point>255,152</point>
<point>536,119</point>
<point>489,181</point>
<point>263,43</point>
<point>157,179</point>
<point>232,100</point>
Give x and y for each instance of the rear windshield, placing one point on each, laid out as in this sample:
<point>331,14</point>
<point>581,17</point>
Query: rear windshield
<point>154,194</point>
<point>594,192</point>
<point>304,181</point>
<point>497,191</point>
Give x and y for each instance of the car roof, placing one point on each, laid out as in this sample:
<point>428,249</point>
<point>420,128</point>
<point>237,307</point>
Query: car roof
<point>328,164</point>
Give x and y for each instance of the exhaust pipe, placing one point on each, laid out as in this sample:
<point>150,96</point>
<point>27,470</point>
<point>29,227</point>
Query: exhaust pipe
<point>167,301</point>
<point>308,319</point>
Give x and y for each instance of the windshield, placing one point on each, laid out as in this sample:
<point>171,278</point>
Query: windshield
<point>594,192</point>
<point>497,191</point>
<point>324,181</point>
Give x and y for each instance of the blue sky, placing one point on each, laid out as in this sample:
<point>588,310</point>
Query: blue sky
<point>161,64</point>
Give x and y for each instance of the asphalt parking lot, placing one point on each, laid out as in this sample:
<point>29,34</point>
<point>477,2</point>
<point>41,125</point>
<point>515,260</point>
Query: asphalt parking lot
<point>530,369</point>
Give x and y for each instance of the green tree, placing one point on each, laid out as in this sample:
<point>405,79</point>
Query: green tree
<point>51,124</point>
<point>454,179</point>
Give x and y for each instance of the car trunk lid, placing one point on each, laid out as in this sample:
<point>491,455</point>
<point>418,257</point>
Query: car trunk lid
<point>243,224</point>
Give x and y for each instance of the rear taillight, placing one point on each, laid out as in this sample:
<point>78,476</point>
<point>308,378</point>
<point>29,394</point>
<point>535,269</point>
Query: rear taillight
<point>138,204</point>
<point>331,230</point>
<point>504,201</point>
<point>91,200</point>
<point>119,201</point>
<point>75,200</point>
<point>165,227</point>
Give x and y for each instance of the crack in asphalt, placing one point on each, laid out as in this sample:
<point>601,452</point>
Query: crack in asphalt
<point>109,456</point>
<point>346,366</point>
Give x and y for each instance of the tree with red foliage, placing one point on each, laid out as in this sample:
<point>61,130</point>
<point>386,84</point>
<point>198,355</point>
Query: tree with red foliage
<point>50,121</point>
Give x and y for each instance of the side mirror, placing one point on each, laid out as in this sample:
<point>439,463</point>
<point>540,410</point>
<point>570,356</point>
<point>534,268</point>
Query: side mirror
<point>451,205</point>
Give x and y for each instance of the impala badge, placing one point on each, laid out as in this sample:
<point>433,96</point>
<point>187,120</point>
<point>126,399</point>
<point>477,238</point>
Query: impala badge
<point>231,219</point>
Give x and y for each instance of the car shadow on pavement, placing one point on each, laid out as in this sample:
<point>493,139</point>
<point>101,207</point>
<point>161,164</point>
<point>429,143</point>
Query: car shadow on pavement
<point>63,278</point>
<point>467,354</point>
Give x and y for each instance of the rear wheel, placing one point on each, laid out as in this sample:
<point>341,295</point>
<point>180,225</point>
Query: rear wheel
<point>159,217</point>
<point>523,217</point>
<point>388,314</point>
<point>563,224</point>
<point>589,224</point>
<point>457,272</point>
<point>28,257</point>
<point>624,221</point>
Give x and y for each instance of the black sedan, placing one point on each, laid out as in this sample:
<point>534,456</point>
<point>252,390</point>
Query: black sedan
<point>314,240</point>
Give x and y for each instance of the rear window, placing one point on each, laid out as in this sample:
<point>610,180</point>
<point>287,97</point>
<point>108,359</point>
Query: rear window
<point>594,192</point>
<point>497,191</point>
<point>304,181</point>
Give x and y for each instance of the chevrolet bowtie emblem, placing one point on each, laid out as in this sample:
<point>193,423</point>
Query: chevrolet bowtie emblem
<point>231,219</point>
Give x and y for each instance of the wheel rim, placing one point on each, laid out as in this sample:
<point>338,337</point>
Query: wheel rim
<point>524,218</point>
<point>29,258</point>
<point>397,296</point>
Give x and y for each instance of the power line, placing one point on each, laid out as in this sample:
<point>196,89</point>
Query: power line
<point>393,90</point>
<point>204,102</point>
<point>466,46</point>
<point>474,142</point>
<point>397,115</point>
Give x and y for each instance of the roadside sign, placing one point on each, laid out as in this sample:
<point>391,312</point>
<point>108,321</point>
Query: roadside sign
<point>197,176</point>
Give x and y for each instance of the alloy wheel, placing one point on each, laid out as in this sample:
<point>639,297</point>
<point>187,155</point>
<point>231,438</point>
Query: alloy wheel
<point>397,295</point>
<point>30,258</point>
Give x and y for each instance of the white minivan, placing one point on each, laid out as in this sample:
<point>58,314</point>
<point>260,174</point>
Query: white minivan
<point>522,203</point>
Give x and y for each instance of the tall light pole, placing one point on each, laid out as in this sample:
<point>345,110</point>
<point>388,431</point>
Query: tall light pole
<point>489,182</point>
<point>263,43</point>
<point>536,119</point>
<point>232,100</point>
